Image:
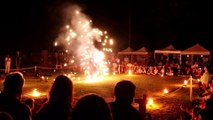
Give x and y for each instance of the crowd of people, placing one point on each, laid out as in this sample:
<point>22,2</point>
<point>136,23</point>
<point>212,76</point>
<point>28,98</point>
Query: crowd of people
<point>60,105</point>
<point>201,109</point>
<point>167,69</point>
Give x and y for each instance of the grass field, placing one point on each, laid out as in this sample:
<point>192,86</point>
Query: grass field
<point>166,106</point>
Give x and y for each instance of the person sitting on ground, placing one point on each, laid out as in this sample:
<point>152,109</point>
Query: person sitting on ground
<point>10,98</point>
<point>91,107</point>
<point>207,92</point>
<point>122,108</point>
<point>59,103</point>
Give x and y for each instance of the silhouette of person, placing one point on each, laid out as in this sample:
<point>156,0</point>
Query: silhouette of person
<point>122,108</point>
<point>59,103</point>
<point>91,107</point>
<point>7,63</point>
<point>10,98</point>
<point>206,77</point>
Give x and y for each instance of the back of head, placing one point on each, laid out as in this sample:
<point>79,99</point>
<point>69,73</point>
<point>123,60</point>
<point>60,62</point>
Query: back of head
<point>13,83</point>
<point>91,107</point>
<point>61,89</point>
<point>29,102</point>
<point>124,91</point>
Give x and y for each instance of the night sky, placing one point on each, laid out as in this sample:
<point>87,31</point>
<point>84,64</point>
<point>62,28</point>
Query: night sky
<point>32,25</point>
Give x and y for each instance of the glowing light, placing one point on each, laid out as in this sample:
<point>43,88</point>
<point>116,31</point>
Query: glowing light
<point>56,44</point>
<point>111,42</point>
<point>35,93</point>
<point>130,72</point>
<point>77,12</point>
<point>65,64</point>
<point>72,61</point>
<point>198,80</point>
<point>150,102</point>
<point>185,83</point>
<point>42,77</point>
<point>165,91</point>
<point>68,38</point>
<point>67,26</point>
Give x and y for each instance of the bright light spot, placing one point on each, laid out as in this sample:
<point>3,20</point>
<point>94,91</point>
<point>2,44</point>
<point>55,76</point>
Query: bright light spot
<point>65,64</point>
<point>68,38</point>
<point>67,26</point>
<point>198,80</point>
<point>165,91</point>
<point>111,42</point>
<point>154,106</point>
<point>77,12</point>
<point>185,82</point>
<point>35,93</point>
<point>150,102</point>
<point>130,72</point>
<point>56,44</point>
<point>72,61</point>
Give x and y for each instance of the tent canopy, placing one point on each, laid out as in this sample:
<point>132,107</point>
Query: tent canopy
<point>197,49</point>
<point>126,51</point>
<point>168,50</point>
<point>141,51</point>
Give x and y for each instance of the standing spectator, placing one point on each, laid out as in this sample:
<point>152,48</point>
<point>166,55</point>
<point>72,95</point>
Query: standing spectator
<point>10,98</point>
<point>122,108</point>
<point>18,61</point>
<point>59,103</point>
<point>7,64</point>
<point>205,78</point>
<point>91,107</point>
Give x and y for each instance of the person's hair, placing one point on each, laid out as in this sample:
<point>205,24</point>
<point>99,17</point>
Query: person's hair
<point>61,90</point>
<point>124,91</point>
<point>91,107</point>
<point>13,83</point>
